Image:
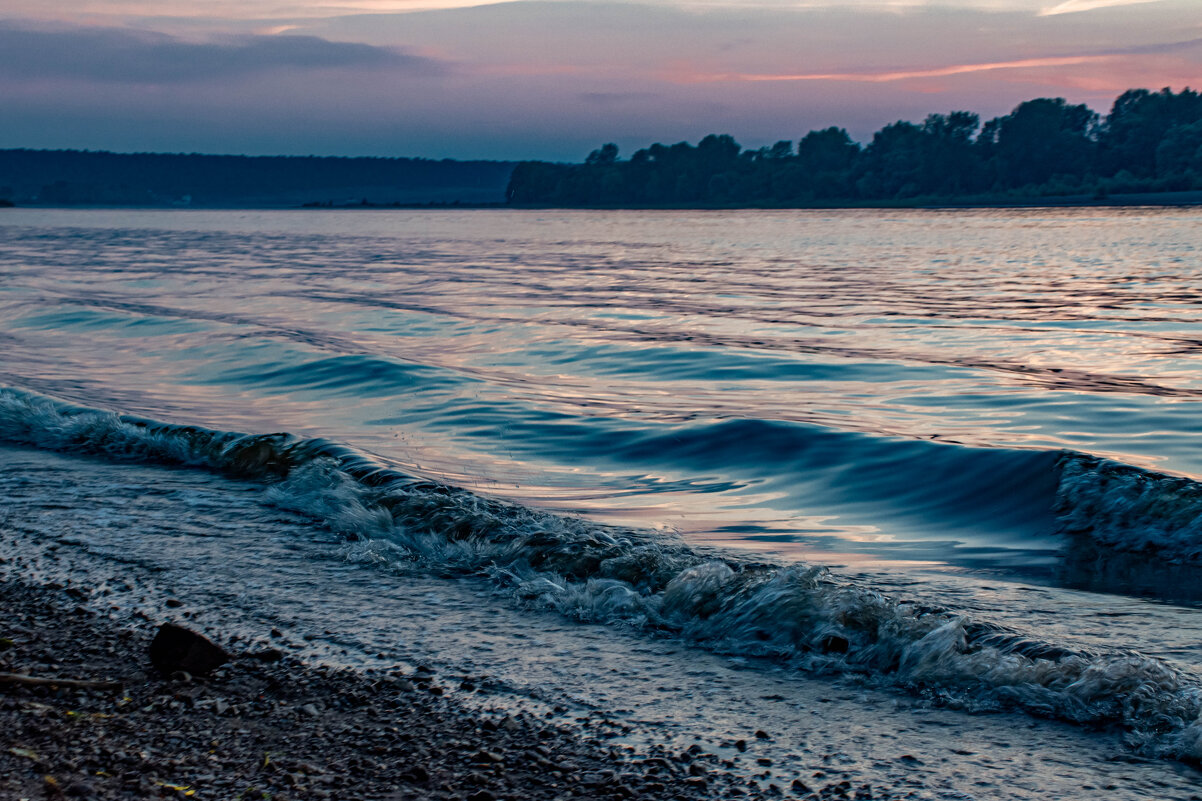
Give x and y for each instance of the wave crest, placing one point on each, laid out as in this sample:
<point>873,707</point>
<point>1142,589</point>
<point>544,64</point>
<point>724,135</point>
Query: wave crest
<point>1130,509</point>
<point>797,613</point>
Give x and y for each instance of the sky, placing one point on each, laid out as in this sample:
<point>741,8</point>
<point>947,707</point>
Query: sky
<point>553,79</point>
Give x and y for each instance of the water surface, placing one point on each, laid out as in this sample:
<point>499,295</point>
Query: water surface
<point>984,422</point>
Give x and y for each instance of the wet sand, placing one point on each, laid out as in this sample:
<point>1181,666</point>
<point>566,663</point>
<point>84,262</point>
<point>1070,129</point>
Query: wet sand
<point>257,729</point>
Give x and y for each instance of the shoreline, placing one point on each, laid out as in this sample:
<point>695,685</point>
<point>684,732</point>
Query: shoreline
<point>269,726</point>
<point>1183,200</point>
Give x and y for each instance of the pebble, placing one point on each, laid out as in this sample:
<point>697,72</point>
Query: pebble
<point>267,655</point>
<point>80,790</point>
<point>258,729</point>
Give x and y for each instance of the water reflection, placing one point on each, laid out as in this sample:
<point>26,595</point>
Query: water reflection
<point>529,354</point>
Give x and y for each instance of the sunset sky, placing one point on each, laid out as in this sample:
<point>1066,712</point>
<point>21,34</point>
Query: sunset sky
<point>554,78</point>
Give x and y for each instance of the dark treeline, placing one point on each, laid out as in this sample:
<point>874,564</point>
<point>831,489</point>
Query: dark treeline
<point>1149,142</point>
<point>65,177</point>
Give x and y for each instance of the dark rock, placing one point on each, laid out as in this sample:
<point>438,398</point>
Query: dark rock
<point>80,790</point>
<point>741,745</point>
<point>174,603</point>
<point>800,787</point>
<point>481,795</point>
<point>760,734</point>
<point>177,648</point>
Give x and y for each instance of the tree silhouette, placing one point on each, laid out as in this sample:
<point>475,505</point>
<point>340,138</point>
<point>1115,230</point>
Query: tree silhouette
<point>1137,124</point>
<point>1039,139</point>
<point>606,154</point>
<point>1150,141</point>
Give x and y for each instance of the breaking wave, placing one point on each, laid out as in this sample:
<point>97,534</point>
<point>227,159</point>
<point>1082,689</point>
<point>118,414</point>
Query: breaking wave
<point>1130,509</point>
<point>800,614</point>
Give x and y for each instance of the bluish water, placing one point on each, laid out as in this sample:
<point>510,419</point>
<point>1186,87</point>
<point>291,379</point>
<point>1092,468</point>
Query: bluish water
<point>984,423</point>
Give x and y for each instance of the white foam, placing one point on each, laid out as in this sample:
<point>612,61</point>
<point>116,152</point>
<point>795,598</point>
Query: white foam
<point>797,613</point>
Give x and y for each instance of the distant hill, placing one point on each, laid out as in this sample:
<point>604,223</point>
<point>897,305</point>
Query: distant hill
<point>83,177</point>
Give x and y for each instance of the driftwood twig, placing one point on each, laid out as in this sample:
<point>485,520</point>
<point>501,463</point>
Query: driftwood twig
<point>38,681</point>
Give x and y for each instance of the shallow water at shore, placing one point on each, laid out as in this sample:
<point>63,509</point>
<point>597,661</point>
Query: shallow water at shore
<point>244,567</point>
<point>983,422</point>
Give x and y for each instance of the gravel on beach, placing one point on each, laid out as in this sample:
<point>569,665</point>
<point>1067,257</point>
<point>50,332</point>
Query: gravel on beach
<point>268,726</point>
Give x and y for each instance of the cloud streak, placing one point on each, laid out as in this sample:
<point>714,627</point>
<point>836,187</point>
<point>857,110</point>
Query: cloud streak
<point>888,76</point>
<point>228,10</point>
<point>903,75</point>
<point>124,56</point>
<point>1076,6</point>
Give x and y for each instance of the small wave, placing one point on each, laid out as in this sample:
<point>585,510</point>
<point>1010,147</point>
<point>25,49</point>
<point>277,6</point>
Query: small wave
<point>798,613</point>
<point>1130,509</point>
<point>1129,530</point>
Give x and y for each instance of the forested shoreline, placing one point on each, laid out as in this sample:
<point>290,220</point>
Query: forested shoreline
<point>1149,145</point>
<point>82,177</point>
<point>1149,142</point>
